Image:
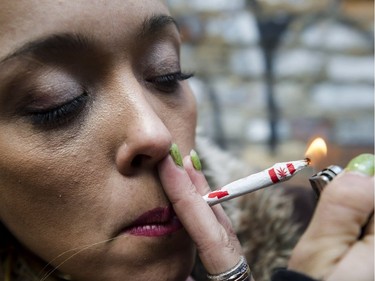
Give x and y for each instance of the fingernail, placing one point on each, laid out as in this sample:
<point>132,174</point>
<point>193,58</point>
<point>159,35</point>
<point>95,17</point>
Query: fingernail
<point>195,160</point>
<point>363,163</point>
<point>176,155</point>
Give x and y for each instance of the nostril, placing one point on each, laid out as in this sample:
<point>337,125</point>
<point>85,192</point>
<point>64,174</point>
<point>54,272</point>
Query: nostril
<point>140,155</point>
<point>138,160</point>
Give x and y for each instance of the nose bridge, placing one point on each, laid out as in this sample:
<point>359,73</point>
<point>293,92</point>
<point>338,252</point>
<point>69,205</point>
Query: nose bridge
<point>143,118</point>
<point>147,124</point>
<point>146,138</point>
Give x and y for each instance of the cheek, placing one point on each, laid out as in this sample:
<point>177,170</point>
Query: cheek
<point>45,185</point>
<point>182,121</point>
<point>43,193</point>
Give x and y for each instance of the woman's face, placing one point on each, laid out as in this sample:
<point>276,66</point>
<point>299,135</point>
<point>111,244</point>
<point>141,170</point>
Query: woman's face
<point>91,98</point>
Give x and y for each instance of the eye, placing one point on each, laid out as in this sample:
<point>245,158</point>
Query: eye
<point>169,83</point>
<point>60,115</point>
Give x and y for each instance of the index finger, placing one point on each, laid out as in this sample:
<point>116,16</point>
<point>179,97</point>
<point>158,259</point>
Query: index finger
<point>213,244</point>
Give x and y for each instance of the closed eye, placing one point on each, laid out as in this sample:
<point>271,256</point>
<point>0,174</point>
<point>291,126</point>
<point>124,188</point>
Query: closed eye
<point>59,115</point>
<point>169,83</point>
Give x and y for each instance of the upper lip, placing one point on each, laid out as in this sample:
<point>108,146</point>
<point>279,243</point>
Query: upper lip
<point>158,215</point>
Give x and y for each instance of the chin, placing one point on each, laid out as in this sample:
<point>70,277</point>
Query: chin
<point>138,258</point>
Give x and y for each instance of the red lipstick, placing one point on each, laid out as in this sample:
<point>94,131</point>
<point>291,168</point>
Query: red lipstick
<point>154,223</point>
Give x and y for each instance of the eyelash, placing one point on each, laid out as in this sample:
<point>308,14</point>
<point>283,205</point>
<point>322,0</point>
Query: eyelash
<point>61,114</point>
<point>169,83</point>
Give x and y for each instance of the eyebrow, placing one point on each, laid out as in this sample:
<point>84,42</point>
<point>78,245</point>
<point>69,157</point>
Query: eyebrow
<point>52,44</point>
<point>155,24</point>
<point>57,43</point>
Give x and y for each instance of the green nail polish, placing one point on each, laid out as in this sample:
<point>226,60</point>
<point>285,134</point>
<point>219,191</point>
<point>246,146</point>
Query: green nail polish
<point>195,160</point>
<point>363,163</point>
<point>176,155</point>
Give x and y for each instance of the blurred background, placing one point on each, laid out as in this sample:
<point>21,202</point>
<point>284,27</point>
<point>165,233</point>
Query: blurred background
<point>272,74</point>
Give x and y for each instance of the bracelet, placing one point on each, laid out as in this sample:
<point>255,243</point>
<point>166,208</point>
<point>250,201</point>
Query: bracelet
<point>240,272</point>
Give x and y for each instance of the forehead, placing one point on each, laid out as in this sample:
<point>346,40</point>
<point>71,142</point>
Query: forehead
<point>22,21</point>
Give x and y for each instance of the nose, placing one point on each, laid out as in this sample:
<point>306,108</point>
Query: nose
<point>146,142</point>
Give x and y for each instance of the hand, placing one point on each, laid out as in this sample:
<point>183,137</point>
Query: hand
<point>339,242</point>
<point>209,227</point>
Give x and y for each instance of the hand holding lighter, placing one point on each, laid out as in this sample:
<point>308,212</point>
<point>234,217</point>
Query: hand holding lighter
<point>363,163</point>
<point>321,179</point>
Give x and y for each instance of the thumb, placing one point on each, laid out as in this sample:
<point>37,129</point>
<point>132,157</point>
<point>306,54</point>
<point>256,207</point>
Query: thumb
<point>343,210</point>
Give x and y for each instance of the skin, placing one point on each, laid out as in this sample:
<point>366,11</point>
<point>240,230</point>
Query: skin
<point>65,186</point>
<point>339,242</point>
<point>78,181</point>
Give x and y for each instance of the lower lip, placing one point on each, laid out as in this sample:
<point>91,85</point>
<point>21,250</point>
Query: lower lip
<point>155,230</point>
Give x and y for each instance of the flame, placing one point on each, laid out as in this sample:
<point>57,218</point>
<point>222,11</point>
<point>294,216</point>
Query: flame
<point>316,151</point>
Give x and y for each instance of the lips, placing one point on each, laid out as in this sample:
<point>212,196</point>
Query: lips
<point>157,222</point>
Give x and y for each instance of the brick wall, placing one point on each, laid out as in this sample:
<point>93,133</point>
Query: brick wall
<point>323,81</point>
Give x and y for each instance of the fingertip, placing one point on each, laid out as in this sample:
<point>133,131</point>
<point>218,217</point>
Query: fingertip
<point>174,151</point>
<point>196,176</point>
<point>362,164</point>
<point>195,160</point>
<point>189,167</point>
<point>167,168</point>
<point>187,162</point>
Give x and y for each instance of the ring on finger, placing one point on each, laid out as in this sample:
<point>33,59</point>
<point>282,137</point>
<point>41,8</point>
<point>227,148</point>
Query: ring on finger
<point>240,272</point>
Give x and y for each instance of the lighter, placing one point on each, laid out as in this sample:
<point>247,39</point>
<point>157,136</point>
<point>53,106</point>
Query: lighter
<point>321,179</point>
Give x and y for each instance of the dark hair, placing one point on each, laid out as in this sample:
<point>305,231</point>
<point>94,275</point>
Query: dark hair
<point>14,257</point>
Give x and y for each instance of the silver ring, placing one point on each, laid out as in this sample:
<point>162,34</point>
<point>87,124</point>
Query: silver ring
<point>240,272</point>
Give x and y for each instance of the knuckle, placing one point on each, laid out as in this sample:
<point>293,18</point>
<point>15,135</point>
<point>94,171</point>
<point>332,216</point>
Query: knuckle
<point>352,190</point>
